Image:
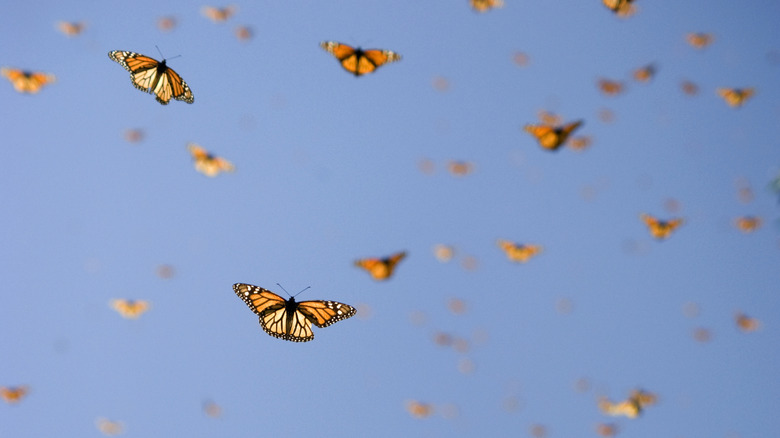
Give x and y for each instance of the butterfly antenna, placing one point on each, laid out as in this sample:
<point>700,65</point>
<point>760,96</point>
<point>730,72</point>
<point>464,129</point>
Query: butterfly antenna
<point>159,51</point>
<point>307,287</point>
<point>282,287</point>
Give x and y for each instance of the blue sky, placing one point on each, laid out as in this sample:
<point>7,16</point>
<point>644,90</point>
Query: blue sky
<point>327,171</point>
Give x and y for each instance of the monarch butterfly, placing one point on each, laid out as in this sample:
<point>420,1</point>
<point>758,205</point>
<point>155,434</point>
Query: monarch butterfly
<point>623,8</point>
<point>130,309</point>
<point>518,252</point>
<point>644,74</point>
<point>13,394</point>
<point>689,88</point>
<point>746,323</point>
<point>552,137</point>
<point>748,224</point>
<point>381,268</point>
<point>166,24</point>
<point>548,118</point>
<point>109,427</point>
<point>443,253</point>
<point>27,81</point>
<point>631,407</point>
<point>485,5</point>
<point>358,61</point>
<point>580,143</point>
<point>736,96</point>
<point>208,164</point>
<point>419,409</point>
<point>658,228</point>
<point>610,87</point>
<point>243,33</point>
<point>218,15</point>
<point>70,29</point>
<point>699,40</point>
<point>151,76</point>
<point>460,168</point>
<point>606,430</point>
<point>287,319</point>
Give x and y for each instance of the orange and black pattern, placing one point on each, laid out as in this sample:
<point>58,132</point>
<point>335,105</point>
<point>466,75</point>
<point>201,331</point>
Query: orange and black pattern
<point>658,228</point>
<point>151,76</point>
<point>27,81</point>
<point>552,137</point>
<point>381,268</point>
<point>358,61</point>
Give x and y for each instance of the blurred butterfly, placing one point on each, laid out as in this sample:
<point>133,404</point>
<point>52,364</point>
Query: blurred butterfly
<point>658,228</point>
<point>460,168</point>
<point>419,409</point>
<point>109,427</point>
<point>151,76</point>
<point>689,88</point>
<point>518,252</point>
<point>623,8</point>
<point>208,164</point>
<point>580,143</point>
<point>287,319</point>
<point>27,81</point>
<point>644,74</point>
<point>218,15</point>
<point>130,309</point>
<point>381,268</point>
<point>70,29</point>
<point>736,96</point>
<point>631,407</point>
<point>552,137</point>
<point>746,323</point>
<point>610,87</point>
<point>548,118</point>
<point>13,394</point>
<point>748,224</point>
<point>485,5</point>
<point>166,24</point>
<point>443,253</point>
<point>606,429</point>
<point>243,33</point>
<point>358,61</point>
<point>699,40</point>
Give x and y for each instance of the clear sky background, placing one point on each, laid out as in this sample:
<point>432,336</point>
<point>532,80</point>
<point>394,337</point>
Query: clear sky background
<point>328,171</point>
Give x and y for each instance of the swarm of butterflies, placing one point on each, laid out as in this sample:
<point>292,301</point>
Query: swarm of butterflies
<point>291,320</point>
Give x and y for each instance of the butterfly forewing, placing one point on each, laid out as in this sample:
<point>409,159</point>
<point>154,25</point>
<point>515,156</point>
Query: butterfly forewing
<point>257,298</point>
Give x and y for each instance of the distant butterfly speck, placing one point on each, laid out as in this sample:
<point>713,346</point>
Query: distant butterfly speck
<point>288,319</point>
<point>152,76</point>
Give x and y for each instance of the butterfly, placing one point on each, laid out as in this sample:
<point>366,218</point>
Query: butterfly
<point>736,96</point>
<point>699,40</point>
<point>13,394</point>
<point>358,61</point>
<point>644,74</point>
<point>518,252</point>
<point>485,5</point>
<point>631,407</point>
<point>746,323</point>
<point>151,76</point>
<point>658,228</point>
<point>623,8</point>
<point>287,319</point>
<point>109,427</point>
<point>552,137</point>
<point>419,409</point>
<point>208,164</point>
<point>218,15</point>
<point>130,309</point>
<point>70,29</point>
<point>166,23</point>
<point>27,81</point>
<point>689,88</point>
<point>460,168</point>
<point>610,87</point>
<point>381,268</point>
<point>243,33</point>
<point>748,224</point>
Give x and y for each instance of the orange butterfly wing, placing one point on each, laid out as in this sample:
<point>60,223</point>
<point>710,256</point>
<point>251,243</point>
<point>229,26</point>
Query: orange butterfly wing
<point>25,81</point>
<point>358,61</point>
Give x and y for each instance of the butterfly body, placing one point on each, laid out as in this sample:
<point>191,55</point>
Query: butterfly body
<point>288,319</point>
<point>358,61</point>
<point>152,76</point>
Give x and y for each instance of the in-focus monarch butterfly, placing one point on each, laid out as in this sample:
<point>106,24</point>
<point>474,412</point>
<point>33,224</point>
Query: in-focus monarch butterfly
<point>208,164</point>
<point>485,5</point>
<point>70,29</point>
<point>644,74</point>
<point>27,81</point>
<point>381,268</point>
<point>130,309</point>
<point>518,252</point>
<point>13,394</point>
<point>218,15</point>
<point>151,76</point>
<point>552,137</point>
<point>748,224</point>
<point>735,97</point>
<point>658,228</point>
<point>358,61</point>
<point>288,319</point>
<point>699,40</point>
<point>623,8</point>
<point>610,87</point>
